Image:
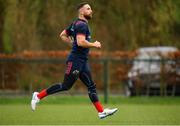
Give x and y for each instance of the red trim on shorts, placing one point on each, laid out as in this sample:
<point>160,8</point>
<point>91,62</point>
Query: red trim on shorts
<point>66,31</point>
<point>69,67</point>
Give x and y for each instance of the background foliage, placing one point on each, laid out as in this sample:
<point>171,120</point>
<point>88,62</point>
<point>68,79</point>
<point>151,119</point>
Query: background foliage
<point>118,24</point>
<point>30,29</point>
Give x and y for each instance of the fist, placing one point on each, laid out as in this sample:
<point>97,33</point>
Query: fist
<point>97,44</point>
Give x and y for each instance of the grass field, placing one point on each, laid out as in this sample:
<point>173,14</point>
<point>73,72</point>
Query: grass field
<point>77,110</point>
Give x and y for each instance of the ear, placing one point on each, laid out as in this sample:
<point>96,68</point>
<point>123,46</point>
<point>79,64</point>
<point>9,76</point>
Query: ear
<point>81,10</point>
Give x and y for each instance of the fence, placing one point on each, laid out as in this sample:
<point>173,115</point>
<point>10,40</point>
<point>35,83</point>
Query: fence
<point>112,75</point>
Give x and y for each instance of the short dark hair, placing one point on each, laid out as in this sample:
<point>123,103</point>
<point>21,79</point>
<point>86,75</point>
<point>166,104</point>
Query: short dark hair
<point>81,5</point>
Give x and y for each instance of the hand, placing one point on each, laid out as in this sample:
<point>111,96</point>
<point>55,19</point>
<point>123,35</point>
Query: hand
<point>97,44</point>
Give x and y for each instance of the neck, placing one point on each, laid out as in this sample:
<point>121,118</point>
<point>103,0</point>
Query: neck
<point>82,18</point>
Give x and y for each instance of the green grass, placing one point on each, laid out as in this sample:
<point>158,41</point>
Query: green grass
<point>77,110</point>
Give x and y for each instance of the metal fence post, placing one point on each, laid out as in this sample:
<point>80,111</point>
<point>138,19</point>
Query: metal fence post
<point>162,85</point>
<point>3,76</point>
<point>105,80</point>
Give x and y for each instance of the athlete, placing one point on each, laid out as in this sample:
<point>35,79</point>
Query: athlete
<point>77,34</point>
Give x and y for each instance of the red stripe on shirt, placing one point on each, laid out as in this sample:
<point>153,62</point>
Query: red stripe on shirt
<point>81,34</point>
<point>66,31</point>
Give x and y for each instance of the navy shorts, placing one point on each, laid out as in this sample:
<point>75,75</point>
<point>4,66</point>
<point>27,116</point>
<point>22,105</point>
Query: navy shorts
<point>78,68</point>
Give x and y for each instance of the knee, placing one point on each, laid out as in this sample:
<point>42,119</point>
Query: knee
<point>69,80</point>
<point>66,86</point>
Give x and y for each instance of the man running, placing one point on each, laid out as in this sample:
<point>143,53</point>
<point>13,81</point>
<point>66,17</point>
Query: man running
<point>77,34</point>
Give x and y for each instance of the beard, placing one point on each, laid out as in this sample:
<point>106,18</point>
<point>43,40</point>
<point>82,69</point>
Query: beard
<point>88,17</point>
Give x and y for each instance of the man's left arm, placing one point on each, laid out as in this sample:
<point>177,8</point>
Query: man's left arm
<point>65,37</point>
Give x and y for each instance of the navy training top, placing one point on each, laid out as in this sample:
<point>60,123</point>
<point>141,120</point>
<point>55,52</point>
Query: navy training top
<point>78,26</point>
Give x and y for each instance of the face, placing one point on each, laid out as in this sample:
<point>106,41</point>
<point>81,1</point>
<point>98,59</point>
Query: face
<point>86,11</point>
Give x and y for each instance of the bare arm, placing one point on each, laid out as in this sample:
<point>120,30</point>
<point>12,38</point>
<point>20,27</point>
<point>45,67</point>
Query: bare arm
<point>65,37</point>
<point>81,41</point>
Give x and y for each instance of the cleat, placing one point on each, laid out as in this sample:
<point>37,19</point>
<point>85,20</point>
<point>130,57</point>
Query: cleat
<point>107,112</point>
<point>34,100</point>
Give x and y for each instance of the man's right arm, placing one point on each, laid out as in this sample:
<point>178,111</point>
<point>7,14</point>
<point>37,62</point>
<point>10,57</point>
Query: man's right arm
<point>65,37</point>
<point>81,41</point>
